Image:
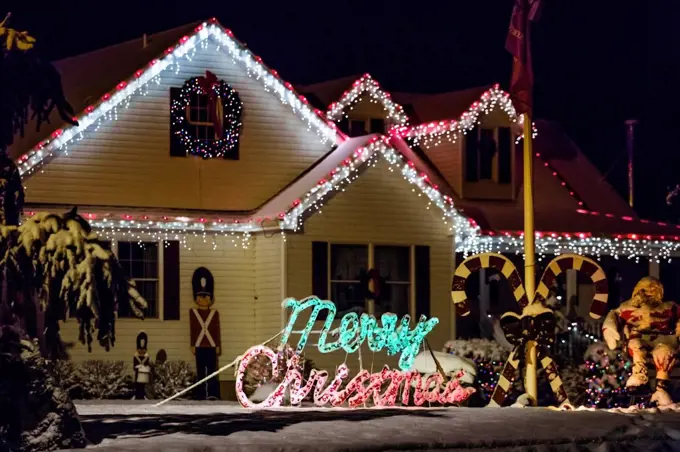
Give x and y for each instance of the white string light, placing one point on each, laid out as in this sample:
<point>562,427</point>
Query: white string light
<point>367,85</point>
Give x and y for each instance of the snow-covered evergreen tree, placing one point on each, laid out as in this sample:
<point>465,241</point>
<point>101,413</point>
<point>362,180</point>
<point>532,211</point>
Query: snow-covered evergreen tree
<point>50,265</point>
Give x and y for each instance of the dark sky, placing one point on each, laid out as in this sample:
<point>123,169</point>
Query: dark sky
<point>596,62</point>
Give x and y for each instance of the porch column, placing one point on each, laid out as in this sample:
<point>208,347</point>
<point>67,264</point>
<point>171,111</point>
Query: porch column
<point>452,307</point>
<point>572,289</point>
<point>654,269</point>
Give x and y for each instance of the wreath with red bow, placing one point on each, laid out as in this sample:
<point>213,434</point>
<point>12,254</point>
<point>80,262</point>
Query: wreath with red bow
<point>224,113</point>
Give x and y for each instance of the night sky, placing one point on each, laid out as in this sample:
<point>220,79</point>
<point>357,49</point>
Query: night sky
<point>596,62</point>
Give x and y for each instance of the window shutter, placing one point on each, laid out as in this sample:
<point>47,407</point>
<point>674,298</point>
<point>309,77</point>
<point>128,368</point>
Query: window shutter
<point>171,280</point>
<point>320,269</point>
<point>471,154</point>
<point>176,148</point>
<point>504,155</point>
<point>422,264</point>
<point>343,125</point>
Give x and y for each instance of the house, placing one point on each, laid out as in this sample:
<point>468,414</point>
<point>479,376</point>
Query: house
<point>278,198</point>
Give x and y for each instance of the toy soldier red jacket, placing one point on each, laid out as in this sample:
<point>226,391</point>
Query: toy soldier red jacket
<point>205,328</point>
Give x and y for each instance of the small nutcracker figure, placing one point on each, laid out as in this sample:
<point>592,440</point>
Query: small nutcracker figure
<point>649,324</point>
<point>204,325</point>
<point>142,366</point>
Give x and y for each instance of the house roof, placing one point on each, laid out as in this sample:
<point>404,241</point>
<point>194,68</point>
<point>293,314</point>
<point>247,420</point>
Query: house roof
<point>87,77</point>
<point>120,71</point>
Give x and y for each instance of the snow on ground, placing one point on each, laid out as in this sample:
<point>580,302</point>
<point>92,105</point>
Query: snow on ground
<point>220,426</point>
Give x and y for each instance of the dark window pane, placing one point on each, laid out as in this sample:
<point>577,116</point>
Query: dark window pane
<point>203,115</point>
<point>150,251</point>
<point>393,262</point>
<point>357,128</point>
<point>124,250</point>
<point>348,262</point>
<point>149,290</point>
<point>377,125</point>
<point>504,155</point>
<point>487,150</point>
<point>394,298</point>
<point>347,297</point>
<point>151,269</point>
<point>137,269</point>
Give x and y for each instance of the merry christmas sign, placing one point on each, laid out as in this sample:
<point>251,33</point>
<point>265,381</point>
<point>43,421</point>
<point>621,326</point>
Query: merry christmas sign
<point>384,387</point>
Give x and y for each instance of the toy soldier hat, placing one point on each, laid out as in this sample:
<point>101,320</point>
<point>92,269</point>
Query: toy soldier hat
<point>203,282</point>
<point>142,340</point>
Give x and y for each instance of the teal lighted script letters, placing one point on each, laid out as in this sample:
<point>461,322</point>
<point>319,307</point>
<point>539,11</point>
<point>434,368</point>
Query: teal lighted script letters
<point>354,330</point>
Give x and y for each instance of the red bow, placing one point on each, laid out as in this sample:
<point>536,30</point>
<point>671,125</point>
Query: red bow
<point>207,84</point>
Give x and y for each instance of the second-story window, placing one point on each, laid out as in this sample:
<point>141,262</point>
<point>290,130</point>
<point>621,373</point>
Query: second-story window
<point>199,118</point>
<point>488,155</point>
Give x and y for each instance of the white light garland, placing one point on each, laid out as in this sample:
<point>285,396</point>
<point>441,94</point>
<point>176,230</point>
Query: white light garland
<point>546,244</point>
<point>434,133</point>
<point>367,85</point>
<point>107,108</point>
<point>349,172</point>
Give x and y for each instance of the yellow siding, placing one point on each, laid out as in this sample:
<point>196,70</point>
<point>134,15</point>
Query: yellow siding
<point>366,108</point>
<point>447,157</point>
<point>380,207</point>
<point>234,271</point>
<point>127,162</point>
<point>268,290</point>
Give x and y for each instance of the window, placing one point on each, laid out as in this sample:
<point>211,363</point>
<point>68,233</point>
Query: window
<point>339,273</point>
<point>357,127</point>
<point>140,261</point>
<point>488,155</point>
<point>349,264</point>
<point>199,119</point>
<point>394,265</point>
<point>377,125</point>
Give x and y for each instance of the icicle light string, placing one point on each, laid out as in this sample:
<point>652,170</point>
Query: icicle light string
<point>109,105</point>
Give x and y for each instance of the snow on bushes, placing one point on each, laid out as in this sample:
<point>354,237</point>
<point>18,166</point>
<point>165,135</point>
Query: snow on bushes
<point>105,379</point>
<point>171,377</point>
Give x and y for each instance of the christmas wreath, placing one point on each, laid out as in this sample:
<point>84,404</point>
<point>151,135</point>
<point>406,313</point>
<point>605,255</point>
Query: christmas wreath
<point>224,112</point>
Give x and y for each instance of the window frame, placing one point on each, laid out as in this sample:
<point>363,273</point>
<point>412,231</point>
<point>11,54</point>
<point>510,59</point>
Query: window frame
<point>495,163</point>
<point>369,306</point>
<point>196,124</point>
<point>159,280</point>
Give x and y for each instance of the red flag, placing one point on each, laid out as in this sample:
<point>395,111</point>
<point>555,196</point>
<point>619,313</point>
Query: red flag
<point>518,44</point>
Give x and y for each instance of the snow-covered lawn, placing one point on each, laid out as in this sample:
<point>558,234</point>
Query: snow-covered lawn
<point>206,426</point>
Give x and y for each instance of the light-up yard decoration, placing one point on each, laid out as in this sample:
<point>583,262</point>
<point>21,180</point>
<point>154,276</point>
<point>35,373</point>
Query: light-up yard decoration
<point>537,322</point>
<point>384,387</point>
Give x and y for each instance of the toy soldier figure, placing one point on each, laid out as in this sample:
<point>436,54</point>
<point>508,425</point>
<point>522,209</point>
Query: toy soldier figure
<point>205,333</point>
<point>142,366</point>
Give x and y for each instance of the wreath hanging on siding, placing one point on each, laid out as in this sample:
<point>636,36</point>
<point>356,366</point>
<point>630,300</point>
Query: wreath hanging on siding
<point>224,112</point>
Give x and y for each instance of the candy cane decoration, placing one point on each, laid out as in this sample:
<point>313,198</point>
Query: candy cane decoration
<point>485,260</point>
<point>588,267</point>
<point>530,332</point>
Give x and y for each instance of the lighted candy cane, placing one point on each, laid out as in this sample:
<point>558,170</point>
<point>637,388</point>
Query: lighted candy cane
<point>536,322</point>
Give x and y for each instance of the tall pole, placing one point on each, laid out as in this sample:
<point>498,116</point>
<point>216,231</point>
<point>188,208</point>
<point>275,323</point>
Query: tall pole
<point>530,379</point>
<point>630,144</point>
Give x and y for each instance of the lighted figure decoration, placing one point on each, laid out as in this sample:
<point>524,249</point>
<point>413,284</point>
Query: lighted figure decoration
<point>205,333</point>
<point>224,113</point>
<point>648,324</point>
<point>383,387</point>
<point>537,322</point>
<point>141,363</point>
<point>354,331</point>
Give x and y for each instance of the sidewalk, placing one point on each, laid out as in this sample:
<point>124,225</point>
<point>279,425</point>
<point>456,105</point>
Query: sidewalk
<point>220,426</point>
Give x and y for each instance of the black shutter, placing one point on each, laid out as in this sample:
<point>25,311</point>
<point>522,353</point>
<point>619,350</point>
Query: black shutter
<point>176,148</point>
<point>422,281</point>
<point>320,269</point>
<point>504,155</point>
<point>471,154</point>
<point>171,280</point>
<point>343,125</point>
<point>377,125</point>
